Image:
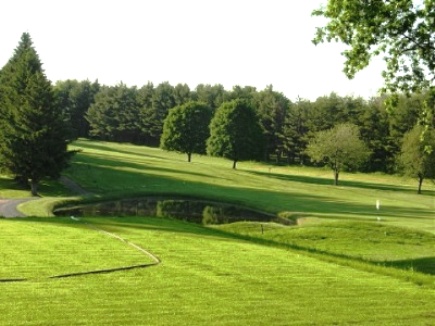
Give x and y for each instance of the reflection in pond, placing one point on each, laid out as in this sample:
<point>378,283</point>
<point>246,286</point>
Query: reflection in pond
<point>200,212</point>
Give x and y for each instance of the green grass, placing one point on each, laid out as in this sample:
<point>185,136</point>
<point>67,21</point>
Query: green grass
<point>206,277</point>
<point>30,248</point>
<point>339,265</point>
<point>358,242</point>
<point>370,241</point>
<point>120,170</point>
<point>11,189</point>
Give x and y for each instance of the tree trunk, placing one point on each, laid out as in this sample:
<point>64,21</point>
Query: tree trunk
<point>420,182</point>
<point>34,187</point>
<point>189,157</point>
<point>234,164</point>
<point>336,177</point>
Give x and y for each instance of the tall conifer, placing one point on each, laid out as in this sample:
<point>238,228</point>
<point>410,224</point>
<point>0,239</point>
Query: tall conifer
<point>33,138</point>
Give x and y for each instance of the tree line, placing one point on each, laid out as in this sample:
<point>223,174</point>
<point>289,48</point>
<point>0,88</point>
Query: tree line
<point>137,115</point>
<point>39,119</point>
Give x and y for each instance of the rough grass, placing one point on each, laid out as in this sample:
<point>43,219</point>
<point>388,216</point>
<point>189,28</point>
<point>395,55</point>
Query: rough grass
<point>206,277</point>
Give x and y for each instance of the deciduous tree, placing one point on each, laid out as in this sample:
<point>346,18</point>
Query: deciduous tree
<point>415,160</point>
<point>186,129</point>
<point>402,30</point>
<point>235,132</point>
<point>339,147</point>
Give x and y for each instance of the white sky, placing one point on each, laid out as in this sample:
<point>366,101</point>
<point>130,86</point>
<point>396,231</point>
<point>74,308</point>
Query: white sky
<point>228,42</point>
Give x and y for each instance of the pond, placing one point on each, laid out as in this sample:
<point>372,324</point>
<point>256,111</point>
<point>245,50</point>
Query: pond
<point>195,211</point>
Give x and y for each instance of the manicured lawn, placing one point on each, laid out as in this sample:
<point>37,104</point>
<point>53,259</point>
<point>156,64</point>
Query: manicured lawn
<point>32,248</point>
<point>206,277</point>
<point>345,262</point>
<point>122,170</point>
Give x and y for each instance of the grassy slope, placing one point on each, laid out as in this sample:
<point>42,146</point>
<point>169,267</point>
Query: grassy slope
<point>210,277</point>
<point>32,249</point>
<point>206,277</point>
<point>110,169</point>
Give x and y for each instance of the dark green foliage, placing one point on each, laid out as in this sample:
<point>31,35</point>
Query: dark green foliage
<point>246,93</point>
<point>114,114</point>
<point>417,157</point>
<point>295,132</point>
<point>374,127</point>
<point>235,132</point>
<point>272,109</point>
<point>181,94</point>
<point>403,31</point>
<point>33,134</point>
<point>214,95</point>
<point>156,104</point>
<point>137,115</point>
<point>186,129</point>
<point>74,99</point>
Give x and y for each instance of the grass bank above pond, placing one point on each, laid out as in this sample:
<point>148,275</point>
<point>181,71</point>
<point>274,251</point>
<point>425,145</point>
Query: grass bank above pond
<point>111,170</point>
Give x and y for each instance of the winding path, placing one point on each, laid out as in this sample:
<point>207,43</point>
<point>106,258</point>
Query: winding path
<point>8,207</point>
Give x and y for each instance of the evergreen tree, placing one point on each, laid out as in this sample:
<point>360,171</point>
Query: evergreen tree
<point>74,99</point>
<point>33,135</point>
<point>272,109</point>
<point>115,113</point>
<point>155,103</point>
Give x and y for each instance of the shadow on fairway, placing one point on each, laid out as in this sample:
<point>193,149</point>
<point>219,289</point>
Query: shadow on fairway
<point>95,161</point>
<point>143,180</point>
<point>344,183</point>
<point>109,148</point>
<point>424,265</point>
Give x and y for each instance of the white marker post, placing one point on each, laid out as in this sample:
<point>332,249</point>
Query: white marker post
<point>378,207</point>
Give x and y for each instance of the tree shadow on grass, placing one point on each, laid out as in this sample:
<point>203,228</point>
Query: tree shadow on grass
<point>342,183</point>
<point>109,148</point>
<point>148,182</point>
<point>94,160</point>
<point>424,265</point>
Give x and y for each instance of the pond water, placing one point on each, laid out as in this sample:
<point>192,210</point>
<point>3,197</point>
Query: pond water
<point>201,212</point>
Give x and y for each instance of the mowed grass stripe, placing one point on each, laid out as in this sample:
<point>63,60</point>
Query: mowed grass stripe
<point>34,249</point>
<point>207,277</point>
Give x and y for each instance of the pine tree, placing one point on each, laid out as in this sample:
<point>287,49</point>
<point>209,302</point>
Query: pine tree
<point>33,136</point>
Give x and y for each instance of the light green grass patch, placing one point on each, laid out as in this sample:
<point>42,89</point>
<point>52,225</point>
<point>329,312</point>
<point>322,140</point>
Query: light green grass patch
<point>208,277</point>
<point>34,248</point>
<point>361,241</point>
